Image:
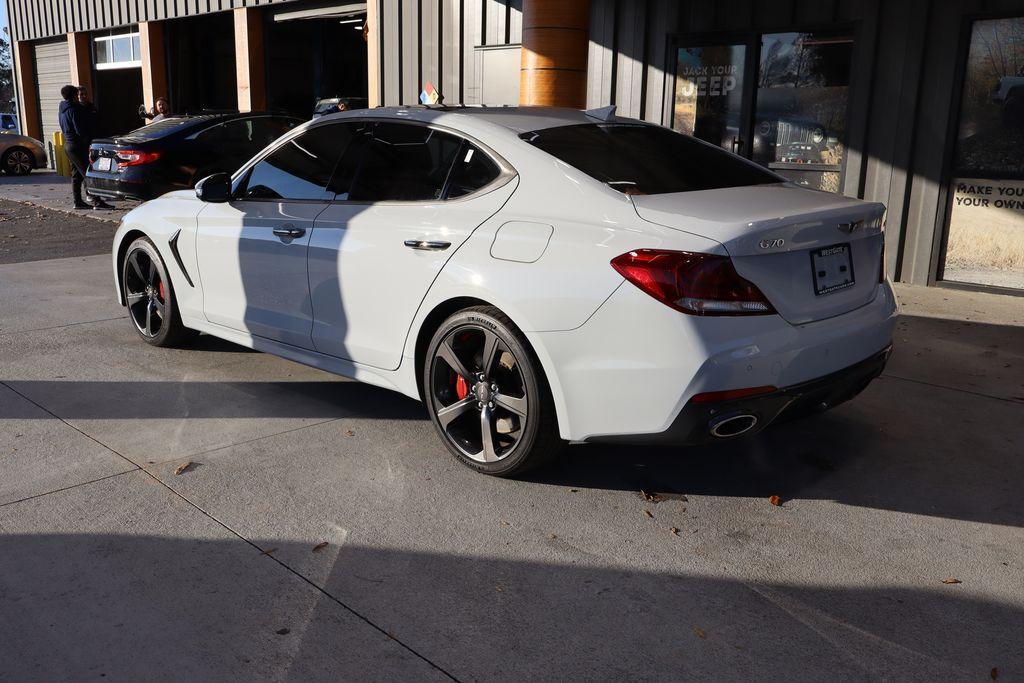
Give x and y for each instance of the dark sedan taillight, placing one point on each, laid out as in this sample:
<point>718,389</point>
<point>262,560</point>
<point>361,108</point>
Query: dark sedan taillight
<point>135,157</point>
<point>698,284</point>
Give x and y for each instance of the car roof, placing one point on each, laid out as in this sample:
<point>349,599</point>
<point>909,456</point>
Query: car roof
<point>178,124</point>
<point>515,119</point>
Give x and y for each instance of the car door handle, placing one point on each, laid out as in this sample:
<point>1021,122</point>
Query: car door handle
<point>427,245</point>
<point>289,231</point>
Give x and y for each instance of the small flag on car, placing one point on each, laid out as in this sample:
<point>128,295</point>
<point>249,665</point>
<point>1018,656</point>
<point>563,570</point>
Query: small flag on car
<point>430,94</point>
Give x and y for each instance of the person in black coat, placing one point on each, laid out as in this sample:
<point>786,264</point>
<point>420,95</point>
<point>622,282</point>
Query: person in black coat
<point>78,124</point>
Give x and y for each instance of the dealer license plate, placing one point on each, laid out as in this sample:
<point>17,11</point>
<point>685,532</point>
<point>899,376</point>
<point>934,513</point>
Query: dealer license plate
<point>103,164</point>
<point>833,269</point>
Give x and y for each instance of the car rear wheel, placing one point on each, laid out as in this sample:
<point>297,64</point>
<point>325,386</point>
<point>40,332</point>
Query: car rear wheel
<point>487,394</point>
<point>150,297</point>
<point>17,161</point>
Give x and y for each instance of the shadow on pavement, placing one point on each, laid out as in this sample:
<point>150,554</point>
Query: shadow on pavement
<point>129,607</point>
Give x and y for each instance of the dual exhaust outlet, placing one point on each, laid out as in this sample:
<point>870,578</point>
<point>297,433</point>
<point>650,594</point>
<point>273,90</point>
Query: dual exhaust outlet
<point>732,425</point>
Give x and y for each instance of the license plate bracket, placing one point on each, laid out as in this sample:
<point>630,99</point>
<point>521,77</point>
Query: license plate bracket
<point>832,268</point>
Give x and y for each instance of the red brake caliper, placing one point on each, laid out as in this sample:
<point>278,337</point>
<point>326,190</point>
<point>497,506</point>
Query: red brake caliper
<point>160,290</point>
<point>461,387</point>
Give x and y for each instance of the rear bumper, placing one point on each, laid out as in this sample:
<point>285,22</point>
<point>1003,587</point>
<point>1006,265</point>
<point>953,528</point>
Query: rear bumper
<point>629,372</point>
<point>694,424</point>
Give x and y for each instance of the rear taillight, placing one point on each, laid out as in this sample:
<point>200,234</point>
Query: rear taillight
<point>698,284</point>
<point>134,157</point>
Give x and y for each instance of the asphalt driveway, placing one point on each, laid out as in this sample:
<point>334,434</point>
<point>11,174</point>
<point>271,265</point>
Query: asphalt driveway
<point>218,513</point>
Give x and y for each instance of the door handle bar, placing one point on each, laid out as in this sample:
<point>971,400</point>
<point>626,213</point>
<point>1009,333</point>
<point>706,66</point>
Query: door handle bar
<point>427,245</point>
<point>289,231</point>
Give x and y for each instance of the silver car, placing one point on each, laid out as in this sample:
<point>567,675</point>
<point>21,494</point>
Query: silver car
<point>19,154</point>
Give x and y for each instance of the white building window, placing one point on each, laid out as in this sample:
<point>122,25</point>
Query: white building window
<point>118,49</point>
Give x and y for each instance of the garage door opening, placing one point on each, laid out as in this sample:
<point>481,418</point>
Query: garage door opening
<point>318,53</point>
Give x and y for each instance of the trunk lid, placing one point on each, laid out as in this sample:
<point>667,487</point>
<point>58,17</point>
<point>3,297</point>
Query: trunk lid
<point>774,234</point>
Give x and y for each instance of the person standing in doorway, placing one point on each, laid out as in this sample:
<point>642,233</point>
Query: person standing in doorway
<point>161,110</point>
<point>77,123</point>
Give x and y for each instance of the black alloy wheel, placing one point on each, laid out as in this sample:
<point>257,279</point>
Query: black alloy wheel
<point>149,296</point>
<point>17,161</point>
<point>487,395</point>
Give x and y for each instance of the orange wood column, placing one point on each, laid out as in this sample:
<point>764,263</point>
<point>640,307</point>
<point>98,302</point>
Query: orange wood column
<point>81,61</point>
<point>154,62</point>
<point>250,69</point>
<point>28,94</point>
<point>373,55</point>
<point>555,46</point>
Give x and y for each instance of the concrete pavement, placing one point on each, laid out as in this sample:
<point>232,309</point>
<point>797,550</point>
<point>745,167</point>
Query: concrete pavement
<point>49,190</point>
<point>111,563</point>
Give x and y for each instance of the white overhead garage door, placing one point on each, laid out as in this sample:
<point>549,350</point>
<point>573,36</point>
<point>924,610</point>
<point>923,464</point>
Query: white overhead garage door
<point>53,71</point>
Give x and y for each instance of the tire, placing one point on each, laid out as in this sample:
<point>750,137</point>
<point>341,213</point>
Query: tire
<point>17,161</point>
<point>149,295</point>
<point>1013,110</point>
<point>511,398</point>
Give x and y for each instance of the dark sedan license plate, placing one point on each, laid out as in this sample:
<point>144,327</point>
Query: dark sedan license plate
<point>833,269</point>
<point>102,164</point>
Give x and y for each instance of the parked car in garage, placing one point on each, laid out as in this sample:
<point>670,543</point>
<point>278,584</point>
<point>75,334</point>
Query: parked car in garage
<point>533,275</point>
<point>9,122</point>
<point>174,154</point>
<point>19,154</point>
<point>1009,95</point>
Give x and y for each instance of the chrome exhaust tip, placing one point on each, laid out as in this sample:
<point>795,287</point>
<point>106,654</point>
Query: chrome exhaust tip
<point>728,426</point>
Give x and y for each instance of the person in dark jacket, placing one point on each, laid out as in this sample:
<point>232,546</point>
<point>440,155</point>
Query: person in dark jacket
<point>77,123</point>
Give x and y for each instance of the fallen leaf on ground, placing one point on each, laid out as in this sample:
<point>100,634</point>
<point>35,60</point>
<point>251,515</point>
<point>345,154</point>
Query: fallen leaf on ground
<point>320,546</point>
<point>350,433</point>
<point>499,588</point>
<point>994,673</point>
<point>647,513</point>
<point>951,580</point>
<point>182,468</point>
<point>674,531</point>
<point>776,501</point>
<point>283,631</point>
<point>574,490</point>
<point>699,632</point>
<point>269,551</point>
<point>552,536</point>
<point>651,497</point>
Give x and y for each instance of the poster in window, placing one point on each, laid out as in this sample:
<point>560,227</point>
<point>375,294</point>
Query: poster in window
<point>985,243</point>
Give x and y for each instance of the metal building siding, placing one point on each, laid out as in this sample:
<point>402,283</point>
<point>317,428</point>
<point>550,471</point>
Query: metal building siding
<point>436,41</point>
<point>35,19</point>
<point>53,71</point>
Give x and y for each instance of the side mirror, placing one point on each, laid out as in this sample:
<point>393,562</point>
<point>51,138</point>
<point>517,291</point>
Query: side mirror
<point>215,188</point>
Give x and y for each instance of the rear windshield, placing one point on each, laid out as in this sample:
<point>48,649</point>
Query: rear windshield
<point>645,159</point>
<point>165,127</point>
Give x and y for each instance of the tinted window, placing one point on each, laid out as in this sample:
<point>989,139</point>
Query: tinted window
<point>644,159</point>
<point>301,168</point>
<point>404,162</point>
<point>256,133</point>
<point>473,169</point>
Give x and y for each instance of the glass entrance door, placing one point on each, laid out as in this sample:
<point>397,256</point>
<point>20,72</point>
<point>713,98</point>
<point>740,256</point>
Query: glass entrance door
<point>710,97</point>
<point>780,99</point>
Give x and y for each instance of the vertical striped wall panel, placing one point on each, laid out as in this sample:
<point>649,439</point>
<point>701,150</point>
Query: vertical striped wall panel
<point>34,19</point>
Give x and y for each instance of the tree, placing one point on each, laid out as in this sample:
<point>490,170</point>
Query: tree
<point>6,75</point>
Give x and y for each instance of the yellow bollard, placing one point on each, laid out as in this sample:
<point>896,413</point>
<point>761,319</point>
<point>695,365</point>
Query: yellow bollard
<point>60,158</point>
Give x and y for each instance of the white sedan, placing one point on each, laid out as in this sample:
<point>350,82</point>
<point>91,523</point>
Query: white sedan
<point>533,275</point>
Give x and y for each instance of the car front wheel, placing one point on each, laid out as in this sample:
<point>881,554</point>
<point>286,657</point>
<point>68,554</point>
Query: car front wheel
<point>17,161</point>
<point>150,297</point>
<point>487,394</point>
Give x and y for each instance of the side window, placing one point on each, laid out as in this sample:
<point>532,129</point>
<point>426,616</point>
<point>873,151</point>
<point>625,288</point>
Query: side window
<point>266,129</point>
<point>301,168</point>
<point>473,170</point>
<point>404,162</point>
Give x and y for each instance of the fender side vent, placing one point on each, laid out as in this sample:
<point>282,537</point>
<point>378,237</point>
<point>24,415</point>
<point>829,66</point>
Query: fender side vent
<point>173,243</point>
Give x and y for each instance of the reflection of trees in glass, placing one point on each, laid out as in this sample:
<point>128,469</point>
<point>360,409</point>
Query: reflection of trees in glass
<point>984,145</point>
<point>802,97</point>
